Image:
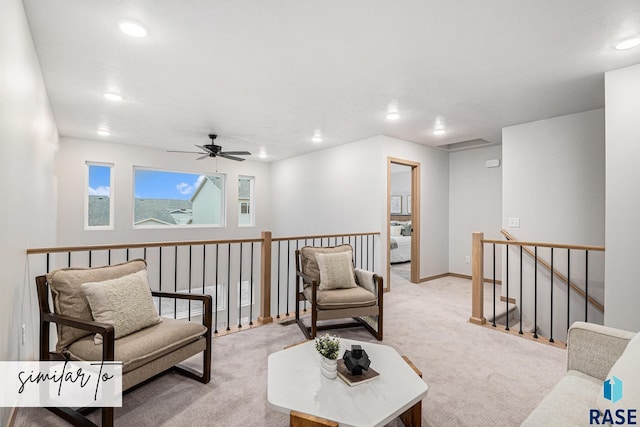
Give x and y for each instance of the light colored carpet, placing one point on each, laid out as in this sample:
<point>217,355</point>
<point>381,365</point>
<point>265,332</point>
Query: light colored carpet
<point>402,272</point>
<point>476,376</point>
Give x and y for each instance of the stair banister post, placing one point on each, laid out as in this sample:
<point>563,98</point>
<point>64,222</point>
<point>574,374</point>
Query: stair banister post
<point>265,279</point>
<point>477,279</point>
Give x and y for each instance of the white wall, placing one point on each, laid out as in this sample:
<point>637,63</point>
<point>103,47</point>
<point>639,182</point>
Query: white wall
<point>622,291</point>
<point>28,140</point>
<point>331,191</point>
<point>343,189</point>
<point>71,170</point>
<point>553,178</point>
<point>475,204</point>
<point>554,181</point>
<point>336,190</point>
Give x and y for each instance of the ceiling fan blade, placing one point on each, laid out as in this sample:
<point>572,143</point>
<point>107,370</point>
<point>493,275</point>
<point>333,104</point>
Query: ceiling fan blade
<point>204,156</point>
<point>239,153</point>
<point>203,148</point>
<point>178,151</point>
<point>226,156</point>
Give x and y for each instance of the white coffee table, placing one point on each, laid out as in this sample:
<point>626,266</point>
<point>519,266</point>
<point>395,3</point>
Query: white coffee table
<point>296,384</point>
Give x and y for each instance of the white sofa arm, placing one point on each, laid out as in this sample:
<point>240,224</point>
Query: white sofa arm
<point>593,349</point>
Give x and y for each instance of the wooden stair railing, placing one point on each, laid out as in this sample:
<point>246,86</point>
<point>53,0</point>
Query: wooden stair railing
<point>595,303</point>
<point>477,272</point>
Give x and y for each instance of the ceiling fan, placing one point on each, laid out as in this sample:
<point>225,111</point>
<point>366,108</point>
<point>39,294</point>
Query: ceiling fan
<point>213,150</point>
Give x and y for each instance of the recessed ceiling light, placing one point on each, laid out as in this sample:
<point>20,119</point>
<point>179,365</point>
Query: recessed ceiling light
<point>317,136</point>
<point>392,110</point>
<point>104,132</point>
<point>112,96</point>
<point>132,28</point>
<point>439,127</point>
<point>262,154</point>
<point>628,43</point>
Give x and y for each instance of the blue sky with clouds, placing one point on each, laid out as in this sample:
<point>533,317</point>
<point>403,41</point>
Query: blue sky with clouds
<point>99,180</point>
<point>149,184</point>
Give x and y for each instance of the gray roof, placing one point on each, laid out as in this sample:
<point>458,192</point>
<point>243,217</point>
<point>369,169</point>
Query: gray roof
<point>98,211</point>
<point>158,208</point>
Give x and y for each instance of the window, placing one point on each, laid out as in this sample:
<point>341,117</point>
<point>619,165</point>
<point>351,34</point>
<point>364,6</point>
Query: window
<point>246,216</point>
<point>166,199</point>
<point>99,200</point>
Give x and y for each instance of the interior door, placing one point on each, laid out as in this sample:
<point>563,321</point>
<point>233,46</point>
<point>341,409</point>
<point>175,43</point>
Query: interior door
<point>403,204</point>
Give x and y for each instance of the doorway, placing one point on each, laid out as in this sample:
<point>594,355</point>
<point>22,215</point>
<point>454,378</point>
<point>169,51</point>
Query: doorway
<point>403,217</point>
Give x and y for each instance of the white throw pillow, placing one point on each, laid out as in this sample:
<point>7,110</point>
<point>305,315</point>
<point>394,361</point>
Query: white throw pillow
<point>336,270</point>
<point>396,230</point>
<point>627,370</point>
<point>125,302</point>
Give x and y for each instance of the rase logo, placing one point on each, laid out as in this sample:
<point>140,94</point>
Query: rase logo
<point>613,389</point>
<point>613,392</point>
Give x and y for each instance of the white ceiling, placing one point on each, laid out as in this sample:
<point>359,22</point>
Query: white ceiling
<point>267,73</point>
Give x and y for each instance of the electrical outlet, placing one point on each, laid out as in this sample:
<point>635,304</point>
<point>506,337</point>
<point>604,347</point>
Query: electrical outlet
<point>467,259</point>
<point>514,222</point>
<point>24,333</point>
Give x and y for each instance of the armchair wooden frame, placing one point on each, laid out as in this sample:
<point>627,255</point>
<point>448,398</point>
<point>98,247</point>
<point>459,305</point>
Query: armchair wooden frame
<point>317,314</point>
<point>47,317</point>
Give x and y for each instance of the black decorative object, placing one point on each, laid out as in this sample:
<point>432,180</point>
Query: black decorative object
<point>356,360</point>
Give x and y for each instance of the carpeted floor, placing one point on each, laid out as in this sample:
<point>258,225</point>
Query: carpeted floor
<point>476,376</point>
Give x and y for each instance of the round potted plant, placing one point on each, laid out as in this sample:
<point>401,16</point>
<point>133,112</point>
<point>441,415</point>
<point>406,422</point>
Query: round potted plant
<point>329,347</point>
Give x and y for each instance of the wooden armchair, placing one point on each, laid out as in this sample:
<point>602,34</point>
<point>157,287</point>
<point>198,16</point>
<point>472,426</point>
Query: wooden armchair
<point>144,353</point>
<point>326,278</point>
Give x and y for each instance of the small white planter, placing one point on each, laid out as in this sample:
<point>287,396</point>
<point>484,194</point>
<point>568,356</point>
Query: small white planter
<point>328,367</point>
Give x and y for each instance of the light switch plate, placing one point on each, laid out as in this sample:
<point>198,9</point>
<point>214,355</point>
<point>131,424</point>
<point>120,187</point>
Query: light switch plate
<point>514,222</point>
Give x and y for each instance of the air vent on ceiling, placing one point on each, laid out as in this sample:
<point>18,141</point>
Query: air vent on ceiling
<point>467,145</point>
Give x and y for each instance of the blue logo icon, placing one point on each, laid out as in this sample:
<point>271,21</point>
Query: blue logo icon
<point>613,389</point>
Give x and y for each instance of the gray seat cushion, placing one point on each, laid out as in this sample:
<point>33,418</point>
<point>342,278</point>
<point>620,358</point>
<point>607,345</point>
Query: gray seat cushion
<point>143,346</point>
<point>342,298</point>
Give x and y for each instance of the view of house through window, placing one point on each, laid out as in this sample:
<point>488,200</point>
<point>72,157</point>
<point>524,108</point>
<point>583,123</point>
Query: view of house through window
<point>99,208</point>
<point>163,198</point>
<point>246,215</point>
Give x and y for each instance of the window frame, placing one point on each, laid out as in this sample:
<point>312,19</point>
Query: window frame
<point>251,203</point>
<point>223,201</point>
